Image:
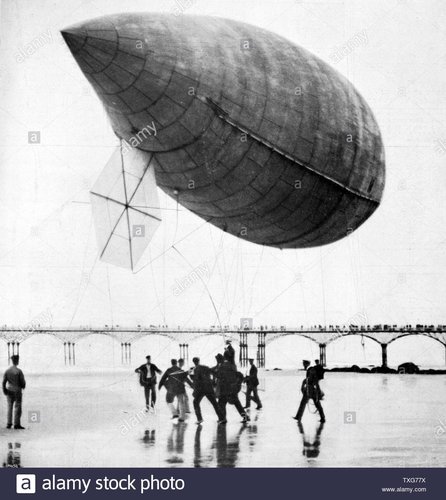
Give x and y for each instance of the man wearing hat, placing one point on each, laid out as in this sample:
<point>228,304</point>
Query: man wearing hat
<point>13,385</point>
<point>310,390</point>
<point>230,352</point>
<point>252,383</point>
<point>147,378</point>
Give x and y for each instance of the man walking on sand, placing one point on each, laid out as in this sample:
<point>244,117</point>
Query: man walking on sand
<point>252,383</point>
<point>310,390</point>
<point>147,378</point>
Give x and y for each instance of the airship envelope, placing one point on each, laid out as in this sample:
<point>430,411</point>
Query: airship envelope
<point>242,127</point>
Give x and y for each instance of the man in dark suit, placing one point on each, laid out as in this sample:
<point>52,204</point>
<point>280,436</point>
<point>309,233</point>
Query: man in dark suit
<point>310,390</point>
<point>252,383</point>
<point>173,380</point>
<point>13,385</point>
<point>319,369</point>
<point>230,352</point>
<point>203,387</point>
<point>147,378</point>
<point>229,382</point>
<point>320,375</point>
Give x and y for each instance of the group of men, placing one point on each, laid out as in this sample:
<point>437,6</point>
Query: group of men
<point>220,385</point>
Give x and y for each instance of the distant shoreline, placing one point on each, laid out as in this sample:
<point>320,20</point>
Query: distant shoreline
<point>378,369</point>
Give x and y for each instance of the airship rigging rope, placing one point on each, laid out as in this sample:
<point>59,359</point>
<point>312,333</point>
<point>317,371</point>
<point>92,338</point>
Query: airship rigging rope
<point>223,115</point>
<point>206,349</point>
<point>167,249</point>
<point>81,294</point>
<point>214,266</point>
<point>155,288</point>
<point>110,300</point>
<point>207,289</point>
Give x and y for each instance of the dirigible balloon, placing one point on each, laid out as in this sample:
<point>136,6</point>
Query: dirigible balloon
<point>244,128</point>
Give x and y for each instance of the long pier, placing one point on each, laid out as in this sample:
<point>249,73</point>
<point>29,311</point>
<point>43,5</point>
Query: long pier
<point>382,334</point>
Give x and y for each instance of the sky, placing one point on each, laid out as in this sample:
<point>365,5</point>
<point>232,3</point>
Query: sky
<point>391,270</point>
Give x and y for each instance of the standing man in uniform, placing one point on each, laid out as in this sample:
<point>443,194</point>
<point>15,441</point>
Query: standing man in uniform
<point>252,383</point>
<point>203,387</point>
<point>229,350</point>
<point>13,385</point>
<point>310,390</point>
<point>147,378</point>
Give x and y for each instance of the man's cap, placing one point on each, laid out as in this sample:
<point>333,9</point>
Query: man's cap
<point>15,357</point>
<point>250,359</point>
<point>148,356</point>
<point>228,341</point>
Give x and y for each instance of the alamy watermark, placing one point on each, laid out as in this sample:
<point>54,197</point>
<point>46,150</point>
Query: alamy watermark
<point>200,272</point>
<point>133,421</point>
<point>45,317</point>
<point>30,48</point>
<point>440,429</point>
<point>138,138</point>
<point>181,6</point>
<point>359,39</point>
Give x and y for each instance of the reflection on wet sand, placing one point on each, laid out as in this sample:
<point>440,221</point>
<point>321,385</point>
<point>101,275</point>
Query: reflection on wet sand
<point>311,448</point>
<point>149,437</point>
<point>223,452</point>
<point>175,443</point>
<point>199,459</point>
<point>227,451</point>
<point>13,458</point>
<point>252,432</point>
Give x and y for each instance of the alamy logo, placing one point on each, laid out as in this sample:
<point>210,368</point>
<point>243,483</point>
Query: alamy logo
<point>245,323</point>
<point>25,483</point>
<point>139,231</point>
<point>349,417</point>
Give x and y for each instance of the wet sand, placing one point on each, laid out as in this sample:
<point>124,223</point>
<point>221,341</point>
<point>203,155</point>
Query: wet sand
<point>98,420</point>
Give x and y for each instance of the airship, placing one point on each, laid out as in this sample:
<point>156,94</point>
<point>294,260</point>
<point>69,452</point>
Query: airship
<point>239,125</point>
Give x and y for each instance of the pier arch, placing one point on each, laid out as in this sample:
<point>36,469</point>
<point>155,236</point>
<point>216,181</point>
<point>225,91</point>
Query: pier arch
<point>206,347</point>
<point>38,353</point>
<point>161,348</point>
<point>288,351</point>
<point>423,350</point>
<point>95,350</point>
<point>352,349</point>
